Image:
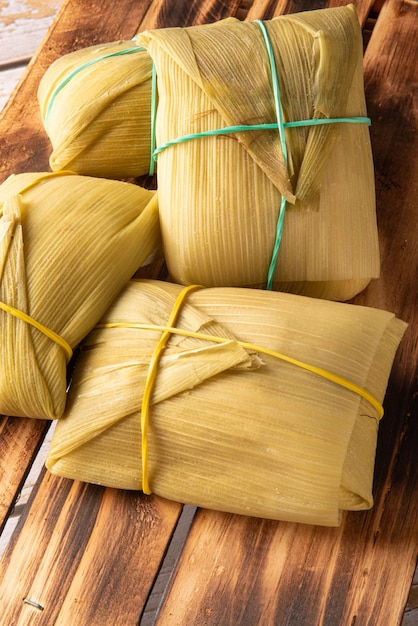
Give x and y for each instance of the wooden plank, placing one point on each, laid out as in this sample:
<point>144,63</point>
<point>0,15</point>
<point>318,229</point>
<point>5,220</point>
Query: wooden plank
<point>93,548</point>
<point>8,81</point>
<point>20,440</point>
<point>22,27</point>
<point>165,13</point>
<point>268,9</point>
<point>26,490</point>
<point>411,611</point>
<point>237,570</point>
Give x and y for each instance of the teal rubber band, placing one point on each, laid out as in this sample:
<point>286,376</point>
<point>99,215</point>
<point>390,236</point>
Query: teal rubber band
<point>276,88</point>
<point>79,69</point>
<point>229,130</point>
<point>279,115</point>
<point>277,241</point>
<point>329,120</point>
<point>153,119</point>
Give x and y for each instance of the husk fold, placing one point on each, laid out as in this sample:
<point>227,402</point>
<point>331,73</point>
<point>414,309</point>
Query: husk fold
<point>220,196</point>
<point>232,429</point>
<point>68,245</point>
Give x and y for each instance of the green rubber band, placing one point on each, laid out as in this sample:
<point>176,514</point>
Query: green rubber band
<point>227,130</point>
<point>153,118</point>
<point>230,130</point>
<point>277,241</point>
<point>329,120</point>
<point>279,116</point>
<point>276,89</point>
<point>79,69</point>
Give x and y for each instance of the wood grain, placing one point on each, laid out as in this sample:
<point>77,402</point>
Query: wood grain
<point>93,547</point>
<point>23,25</point>
<point>20,25</point>
<point>166,13</point>
<point>20,440</point>
<point>98,551</point>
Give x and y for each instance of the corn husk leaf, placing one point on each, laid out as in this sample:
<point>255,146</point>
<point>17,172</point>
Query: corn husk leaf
<point>96,110</point>
<point>220,196</point>
<point>68,245</point>
<point>242,432</point>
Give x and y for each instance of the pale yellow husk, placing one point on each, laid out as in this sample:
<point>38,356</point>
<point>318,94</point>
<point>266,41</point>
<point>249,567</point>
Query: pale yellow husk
<point>219,196</point>
<point>96,111</point>
<point>68,245</point>
<point>232,429</point>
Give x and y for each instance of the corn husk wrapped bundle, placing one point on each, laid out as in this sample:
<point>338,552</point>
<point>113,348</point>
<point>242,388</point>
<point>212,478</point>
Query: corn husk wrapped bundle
<point>231,427</point>
<point>95,104</point>
<point>68,245</point>
<point>220,196</point>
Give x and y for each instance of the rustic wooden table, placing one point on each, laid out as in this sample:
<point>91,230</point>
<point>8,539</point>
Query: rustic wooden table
<point>23,25</point>
<point>87,555</point>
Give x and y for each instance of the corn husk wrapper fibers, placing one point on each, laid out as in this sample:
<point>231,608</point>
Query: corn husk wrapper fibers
<point>232,429</point>
<point>96,110</point>
<point>220,196</point>
<point>68,245</point>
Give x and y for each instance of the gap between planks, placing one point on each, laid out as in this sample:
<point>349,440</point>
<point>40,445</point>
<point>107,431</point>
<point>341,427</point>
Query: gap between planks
<point>25,493</point>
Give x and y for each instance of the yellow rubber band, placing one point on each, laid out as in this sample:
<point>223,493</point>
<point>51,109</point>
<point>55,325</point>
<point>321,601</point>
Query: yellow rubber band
<point>20,314</point>
<point>335,378</point>
<point>170,329</point>
<point>46,331</point>
<point>150,382</point>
